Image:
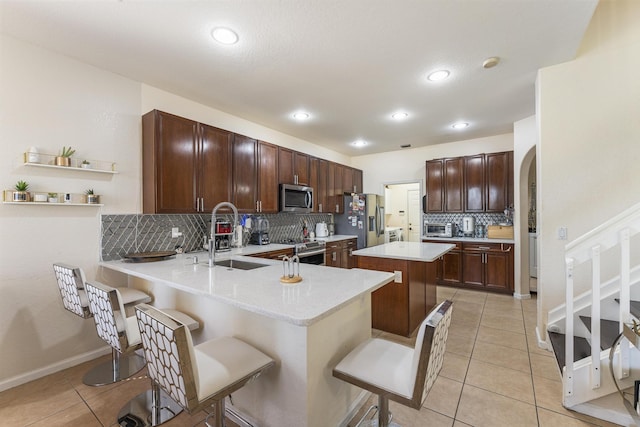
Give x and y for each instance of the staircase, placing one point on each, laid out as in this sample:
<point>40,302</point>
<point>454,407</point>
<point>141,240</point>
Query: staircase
<point>583,330</point>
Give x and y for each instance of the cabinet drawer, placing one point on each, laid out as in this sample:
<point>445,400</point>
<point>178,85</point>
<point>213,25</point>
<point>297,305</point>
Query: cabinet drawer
<point>487,247</point>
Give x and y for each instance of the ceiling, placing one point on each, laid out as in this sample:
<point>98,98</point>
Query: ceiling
<point>349,63</point>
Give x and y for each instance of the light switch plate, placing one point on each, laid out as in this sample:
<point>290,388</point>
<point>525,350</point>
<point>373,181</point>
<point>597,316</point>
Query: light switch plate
<point>562,233</point>
<point>398,278</point>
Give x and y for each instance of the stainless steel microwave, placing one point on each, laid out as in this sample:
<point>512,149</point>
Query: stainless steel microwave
<point>296,198</point>
<point>434,229</point>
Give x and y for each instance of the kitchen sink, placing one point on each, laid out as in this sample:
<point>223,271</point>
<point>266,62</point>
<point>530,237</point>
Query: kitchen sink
<point>239,265</point>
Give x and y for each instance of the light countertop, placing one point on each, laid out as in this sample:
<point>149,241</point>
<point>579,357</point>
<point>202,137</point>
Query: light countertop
<point>410,251</point>
<point>469,239</point>
<point>337,237</point>
<point>322,291</point>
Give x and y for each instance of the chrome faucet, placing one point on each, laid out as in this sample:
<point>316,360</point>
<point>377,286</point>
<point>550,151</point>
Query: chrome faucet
<point>212,239</point>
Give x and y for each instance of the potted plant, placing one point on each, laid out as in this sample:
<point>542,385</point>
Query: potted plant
<point>92,198</point>
<point>21,194</point>
<point>86,164</point>
<point>64,159</point>
<point>53,197</point>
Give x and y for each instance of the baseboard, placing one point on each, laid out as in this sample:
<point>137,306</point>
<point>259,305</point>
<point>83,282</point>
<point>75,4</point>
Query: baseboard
<point>360,401</point>
<point>521,296</point>
<point>542,343</point>
<point>8,383</point>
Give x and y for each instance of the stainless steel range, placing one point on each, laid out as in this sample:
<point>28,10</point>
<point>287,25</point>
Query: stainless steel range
<point>311,252</point>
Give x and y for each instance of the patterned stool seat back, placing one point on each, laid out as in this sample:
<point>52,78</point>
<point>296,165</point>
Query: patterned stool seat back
<point>429,350</point>
<point>71,284</point>
<point>397,372</point>
<point>168,350</point>
<point>110,317</point>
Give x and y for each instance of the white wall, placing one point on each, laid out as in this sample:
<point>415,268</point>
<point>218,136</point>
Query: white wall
<point>525,139</point>
<point>589,149</point>
<point>49,101</point>
<point>409,164</point>
<point>153,98</point>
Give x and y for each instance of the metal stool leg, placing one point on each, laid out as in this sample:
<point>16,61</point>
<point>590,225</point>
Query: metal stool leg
<point>152,408</point>
<point>117,369</point>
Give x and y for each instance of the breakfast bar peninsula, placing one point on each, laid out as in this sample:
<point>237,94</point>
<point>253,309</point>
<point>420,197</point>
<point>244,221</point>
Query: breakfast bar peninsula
<point>401,305</point>
<point>306,327</point>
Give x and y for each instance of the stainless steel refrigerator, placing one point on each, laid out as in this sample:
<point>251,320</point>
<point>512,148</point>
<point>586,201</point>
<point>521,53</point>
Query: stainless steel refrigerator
<point>363,216</point>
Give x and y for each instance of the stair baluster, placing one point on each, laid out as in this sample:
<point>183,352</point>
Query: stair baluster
<point>567,385</point>
<point>595,316</point>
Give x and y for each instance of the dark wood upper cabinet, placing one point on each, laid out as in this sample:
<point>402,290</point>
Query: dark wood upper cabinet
<point>331,187</point>
<point>454,184</point>
<point>301,168</point>
<point>189,167</point>
<point>357,180</point>
<point>347,180</point>
<point>215,158</point>
<point>474,183</point>
<point>322,190</point>
<point>245,175</point>
<point>435,185</point>
<point>338,189</point>
<point>497,176</point>
<point>186,165</point>
<point>267,177</point>
<point>293,167</point>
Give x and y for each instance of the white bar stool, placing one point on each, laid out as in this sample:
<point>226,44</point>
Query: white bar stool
<point>397,372</point>
<point>201,375</point>
<point>71,282</point>
<point>152,407</point>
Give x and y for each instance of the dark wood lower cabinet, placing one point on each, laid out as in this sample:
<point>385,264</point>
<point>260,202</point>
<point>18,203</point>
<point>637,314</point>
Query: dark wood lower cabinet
<point>399,308</point>
<point>485,266</point>
<point>339,253</point>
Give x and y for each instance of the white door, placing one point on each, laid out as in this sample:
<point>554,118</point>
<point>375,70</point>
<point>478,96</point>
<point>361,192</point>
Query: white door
<point>413,210</point>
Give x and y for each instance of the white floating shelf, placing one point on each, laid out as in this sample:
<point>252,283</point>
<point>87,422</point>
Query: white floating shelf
<point>81,169</point>
<point>53,204</point>
<point>42,160</point>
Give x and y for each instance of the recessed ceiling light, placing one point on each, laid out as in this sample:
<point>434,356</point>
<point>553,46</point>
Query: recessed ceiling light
<point>460,125</point>
<point>399,115</point>
<point>359,143</point>
<point>224,35</point>
<point>301,115</point>
<point>438,75</point>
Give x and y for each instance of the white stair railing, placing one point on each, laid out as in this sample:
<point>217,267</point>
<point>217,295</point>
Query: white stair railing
<point>615,232</point>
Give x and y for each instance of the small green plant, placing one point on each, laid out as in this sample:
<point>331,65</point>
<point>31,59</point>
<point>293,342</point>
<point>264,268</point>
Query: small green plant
<point>86,162</point>
<point>22,186</point>
<point>53,195</point>
<point>89,192</point>
<point>67,152</point>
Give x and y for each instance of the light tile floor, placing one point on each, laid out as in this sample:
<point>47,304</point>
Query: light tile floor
<point>493,375</point>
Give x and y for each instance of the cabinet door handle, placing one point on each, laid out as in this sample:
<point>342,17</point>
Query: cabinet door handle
<point>337,208</point>
<point>319,207</point>
<point>197,204</point>
<point>333,256</point>
<point>484,248</point>
<point>202,204</point>
<point>257,206</point>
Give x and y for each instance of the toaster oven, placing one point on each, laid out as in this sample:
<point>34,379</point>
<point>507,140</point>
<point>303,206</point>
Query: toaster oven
<point>438,229</point>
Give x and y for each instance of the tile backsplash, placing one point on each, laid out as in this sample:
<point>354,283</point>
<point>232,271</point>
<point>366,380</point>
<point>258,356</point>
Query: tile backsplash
<point>483,219</point>
<point>123,234</point>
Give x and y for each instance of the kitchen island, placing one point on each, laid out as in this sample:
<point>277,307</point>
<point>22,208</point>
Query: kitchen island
<point>400,306</point>
<point>306,327</point>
